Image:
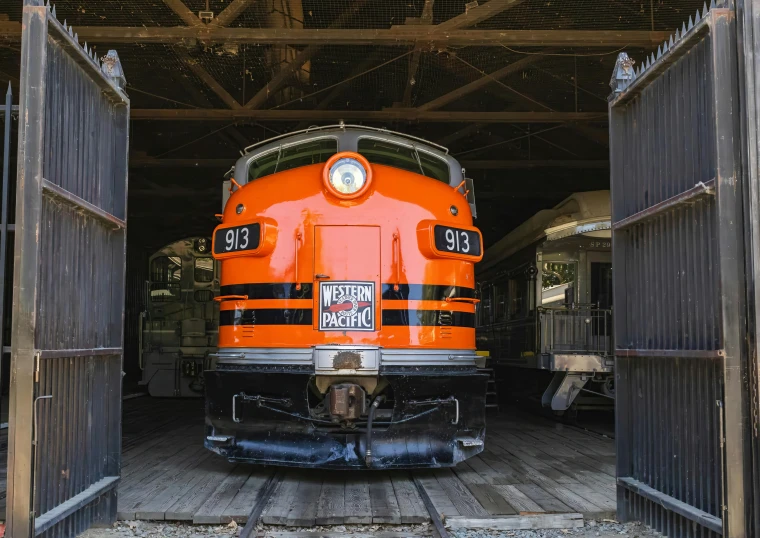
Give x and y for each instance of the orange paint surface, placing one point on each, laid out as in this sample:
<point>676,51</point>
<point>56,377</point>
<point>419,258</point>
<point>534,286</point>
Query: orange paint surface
<point>318,233</point>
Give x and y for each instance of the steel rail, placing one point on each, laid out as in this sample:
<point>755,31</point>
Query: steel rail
<point>261,502</point>
<point>435,517</point>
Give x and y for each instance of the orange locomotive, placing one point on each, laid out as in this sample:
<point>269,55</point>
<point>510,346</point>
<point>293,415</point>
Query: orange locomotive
<point>347,305</point>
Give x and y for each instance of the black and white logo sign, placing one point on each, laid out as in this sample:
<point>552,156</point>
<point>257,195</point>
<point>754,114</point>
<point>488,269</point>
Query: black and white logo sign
<point>346,306</point>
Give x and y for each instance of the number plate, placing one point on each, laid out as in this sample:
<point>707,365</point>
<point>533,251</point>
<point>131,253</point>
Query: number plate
<point>457,241</point>
<point>237,238</point>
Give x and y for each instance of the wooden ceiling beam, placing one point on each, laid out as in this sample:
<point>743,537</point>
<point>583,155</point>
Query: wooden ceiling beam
<point>399,35</point>
<point>389,114</point>
<point>475,85</point>
<point>207,79</point>
<point>426,19</point>
<point>228,15</point>
<point>287,70</point>
<point>478,14</point>
<point>184,13</point>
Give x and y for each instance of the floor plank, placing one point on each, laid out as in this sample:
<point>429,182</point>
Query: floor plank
<point>276,513</point>
<point>492,500</point>
<point>517,499</point>
<point>466,504</point>
<point>210,512</point>
<point>331,506</point>
<point>242,503</point>
<point>383,499</point>
<point>409,502</point>
<point>303,510</point>
<point>356,501</point>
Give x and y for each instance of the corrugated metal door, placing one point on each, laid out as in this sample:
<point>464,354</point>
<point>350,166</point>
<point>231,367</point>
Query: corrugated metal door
<point>679,284</point>
<point>64,449</point>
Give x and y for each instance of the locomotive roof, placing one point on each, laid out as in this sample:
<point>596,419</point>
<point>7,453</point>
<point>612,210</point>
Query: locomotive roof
<point>578,213</point>
<point>348,136</point>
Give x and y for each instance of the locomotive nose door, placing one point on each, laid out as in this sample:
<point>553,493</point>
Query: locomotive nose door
<point>347,278</point>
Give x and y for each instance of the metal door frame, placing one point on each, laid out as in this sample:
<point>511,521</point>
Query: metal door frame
<point>41,34</point>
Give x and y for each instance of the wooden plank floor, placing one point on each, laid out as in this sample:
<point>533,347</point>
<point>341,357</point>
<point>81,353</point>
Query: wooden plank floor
<point>530,465</point>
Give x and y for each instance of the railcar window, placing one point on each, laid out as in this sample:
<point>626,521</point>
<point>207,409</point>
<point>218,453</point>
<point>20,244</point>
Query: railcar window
<point>500,301</point>
<point>204,269</point>
<point>483,308</point>
<point>203,296</point>
<point>555,279</point>
<point>518,298</point>
<point>404,158</point>
<point>297,155</point>
<point>166,278</point>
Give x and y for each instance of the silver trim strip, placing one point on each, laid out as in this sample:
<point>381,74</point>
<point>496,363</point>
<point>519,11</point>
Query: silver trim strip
<point>388,357</point>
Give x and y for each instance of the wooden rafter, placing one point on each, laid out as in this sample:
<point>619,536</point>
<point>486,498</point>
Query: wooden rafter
<point>478,14</point>
<point>366,64</point>
<point>389,114</point>
<point>475,85</point>
<point>414,63</point>
<point>287,70</point>
<point>400,35</point>
<point>183,12</point>
<point>210,81</point>
<point>231,12</point>
<point>231,135</point>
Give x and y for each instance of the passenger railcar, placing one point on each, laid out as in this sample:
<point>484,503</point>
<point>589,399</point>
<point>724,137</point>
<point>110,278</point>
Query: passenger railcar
<point>180,325</point>
<point>347,322</point>
<point>546,307</point>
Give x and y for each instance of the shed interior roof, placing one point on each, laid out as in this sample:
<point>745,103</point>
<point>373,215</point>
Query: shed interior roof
<point>448,62</point>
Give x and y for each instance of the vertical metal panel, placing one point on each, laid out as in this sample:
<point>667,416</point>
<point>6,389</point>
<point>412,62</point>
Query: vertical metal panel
<point>679,285</point>
<point>68,318</point>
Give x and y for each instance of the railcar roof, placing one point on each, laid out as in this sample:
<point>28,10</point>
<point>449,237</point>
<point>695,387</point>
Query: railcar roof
<point>579,207</point>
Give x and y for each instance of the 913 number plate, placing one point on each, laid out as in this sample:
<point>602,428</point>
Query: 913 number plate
<point>457,241</point>
<point>237,238</point>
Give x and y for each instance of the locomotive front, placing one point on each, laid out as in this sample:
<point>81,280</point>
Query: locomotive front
<point>347,306</point>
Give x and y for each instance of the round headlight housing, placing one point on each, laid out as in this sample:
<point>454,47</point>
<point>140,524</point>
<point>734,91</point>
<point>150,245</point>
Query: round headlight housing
<point>347,175</point>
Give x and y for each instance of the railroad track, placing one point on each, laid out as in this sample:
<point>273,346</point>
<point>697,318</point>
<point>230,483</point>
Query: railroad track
<point>270,487</point>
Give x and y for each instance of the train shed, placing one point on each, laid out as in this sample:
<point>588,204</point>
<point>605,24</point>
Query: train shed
<point>128,113</point>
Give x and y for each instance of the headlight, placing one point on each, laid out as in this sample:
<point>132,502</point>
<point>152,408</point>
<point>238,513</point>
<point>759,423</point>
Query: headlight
<point>347,176</point>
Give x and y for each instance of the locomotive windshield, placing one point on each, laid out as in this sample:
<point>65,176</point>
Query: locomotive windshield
<point>166,277</point>
<point>403,157</point>
<point>295,156</point>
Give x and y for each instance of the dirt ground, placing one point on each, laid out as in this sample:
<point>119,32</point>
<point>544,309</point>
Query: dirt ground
<point>146,529</point>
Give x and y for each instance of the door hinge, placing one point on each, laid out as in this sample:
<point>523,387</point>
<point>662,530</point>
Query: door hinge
<point>37,367</point>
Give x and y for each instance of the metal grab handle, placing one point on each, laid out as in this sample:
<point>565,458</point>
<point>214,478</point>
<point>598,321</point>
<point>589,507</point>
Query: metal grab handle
<point>234,405</point>
<point>470,300</point>
<point>221,298</point>
<point>34,415</point>
<point>397,255</point>
<point>298,244</point>
<point>140,341</point>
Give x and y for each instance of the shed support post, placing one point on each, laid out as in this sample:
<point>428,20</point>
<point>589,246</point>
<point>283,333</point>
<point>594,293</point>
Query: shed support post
<point>31,132</point>
<point>732,273</point>
<point>748,51</point>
